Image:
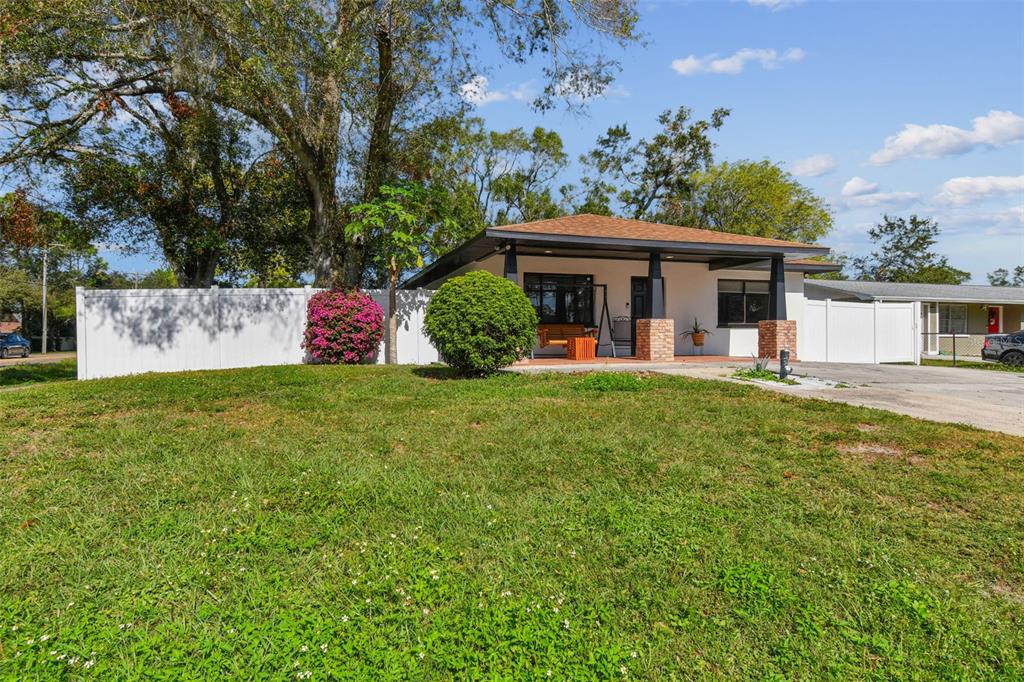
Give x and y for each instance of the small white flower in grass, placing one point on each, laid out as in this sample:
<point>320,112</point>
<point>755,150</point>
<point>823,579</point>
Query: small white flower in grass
<point>634,654</point>
<point>421,655</point>
<point>426,612</point>
<point>344,619</point>
<point>622,669</point>
<point>565,624</point>
<point>354,581</point>
<point>323,648</point>
<point>304,648</point>
<point>53,653</point>
<point>88,664</point>
<point>549,673</point>
<point>506,593</point>
<point>43,638</point>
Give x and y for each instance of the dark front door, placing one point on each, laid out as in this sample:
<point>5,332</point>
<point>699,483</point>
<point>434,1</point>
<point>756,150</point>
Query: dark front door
<point>638,293</point>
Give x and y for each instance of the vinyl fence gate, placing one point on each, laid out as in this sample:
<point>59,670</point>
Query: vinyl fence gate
<point>857,332</point>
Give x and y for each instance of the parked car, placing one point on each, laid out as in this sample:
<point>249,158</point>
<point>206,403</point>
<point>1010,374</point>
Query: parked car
<point>14,344</point>
<point>1008,348</point>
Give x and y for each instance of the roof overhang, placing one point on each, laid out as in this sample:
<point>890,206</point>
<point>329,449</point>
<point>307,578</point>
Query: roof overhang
<point>495,240</point>
<point>861,295</point>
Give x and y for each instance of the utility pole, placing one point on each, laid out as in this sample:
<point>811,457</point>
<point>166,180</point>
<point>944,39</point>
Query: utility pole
<point>46,254</point>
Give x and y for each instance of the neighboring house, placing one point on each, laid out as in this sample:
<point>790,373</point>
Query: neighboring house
<point>950,313</point>
<point>613,274</point>
<point>10,323</point>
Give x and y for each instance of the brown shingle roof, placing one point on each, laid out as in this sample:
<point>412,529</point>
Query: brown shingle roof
<point>589,225</point>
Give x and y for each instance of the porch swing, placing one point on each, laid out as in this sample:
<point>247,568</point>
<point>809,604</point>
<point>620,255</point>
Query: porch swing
<point>558,334</point>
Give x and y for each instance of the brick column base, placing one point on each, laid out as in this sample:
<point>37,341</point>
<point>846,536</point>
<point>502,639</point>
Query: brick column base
<point>656,340</point>
<point>776,335</point>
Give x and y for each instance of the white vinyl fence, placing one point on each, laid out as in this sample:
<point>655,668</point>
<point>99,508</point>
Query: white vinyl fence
<point>841,331</point>
<point>168,330</point>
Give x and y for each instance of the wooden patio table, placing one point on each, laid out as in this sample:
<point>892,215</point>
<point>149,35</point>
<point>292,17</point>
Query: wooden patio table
<point>581,348</point>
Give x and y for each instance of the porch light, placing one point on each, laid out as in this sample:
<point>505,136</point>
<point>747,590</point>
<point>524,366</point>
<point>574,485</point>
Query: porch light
<point>547,251</point>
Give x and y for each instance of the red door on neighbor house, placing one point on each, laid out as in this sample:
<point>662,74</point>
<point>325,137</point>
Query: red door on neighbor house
<point>993,320</point>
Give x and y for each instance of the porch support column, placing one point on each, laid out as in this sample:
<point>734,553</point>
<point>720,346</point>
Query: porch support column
<point>511,266</point>
<point>777,334</point>
<point>655,288</point>
<point>777,290</point>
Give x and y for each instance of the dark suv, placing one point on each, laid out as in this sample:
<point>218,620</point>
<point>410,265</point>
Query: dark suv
<point>1008,348</point>
<point>13,344</point>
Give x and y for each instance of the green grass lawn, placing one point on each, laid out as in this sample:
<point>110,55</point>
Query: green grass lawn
<point>389,523</point>
<point>37,373</point>
<point>994,366</point>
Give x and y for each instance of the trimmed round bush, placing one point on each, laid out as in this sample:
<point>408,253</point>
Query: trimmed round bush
<point>342,327</point>
<point>480,323</point>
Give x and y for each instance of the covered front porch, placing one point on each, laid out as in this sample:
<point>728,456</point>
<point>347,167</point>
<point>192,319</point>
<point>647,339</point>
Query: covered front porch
<point>637,287</point>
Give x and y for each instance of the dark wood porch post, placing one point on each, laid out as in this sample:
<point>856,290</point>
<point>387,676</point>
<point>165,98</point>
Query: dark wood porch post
<point>655,288</point>
<point>777,290</point>
<point>511,266</point>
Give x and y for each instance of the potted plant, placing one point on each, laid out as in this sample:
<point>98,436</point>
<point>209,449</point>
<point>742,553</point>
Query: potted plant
<point>696,333</point>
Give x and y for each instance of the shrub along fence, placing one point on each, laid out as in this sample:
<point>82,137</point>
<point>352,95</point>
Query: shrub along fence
<point>169,330</point>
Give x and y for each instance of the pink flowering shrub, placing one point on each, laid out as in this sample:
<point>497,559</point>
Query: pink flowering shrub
<point>342,327</point>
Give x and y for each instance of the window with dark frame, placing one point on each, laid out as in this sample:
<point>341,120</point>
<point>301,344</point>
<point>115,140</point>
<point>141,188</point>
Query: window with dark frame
<point>742,302</point>
<point>561,299</point>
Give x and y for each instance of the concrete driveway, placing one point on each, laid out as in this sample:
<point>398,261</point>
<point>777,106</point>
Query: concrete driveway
<point>987,399</point>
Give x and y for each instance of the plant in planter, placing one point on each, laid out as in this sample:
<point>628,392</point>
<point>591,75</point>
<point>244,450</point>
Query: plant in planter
<point>696,333</point>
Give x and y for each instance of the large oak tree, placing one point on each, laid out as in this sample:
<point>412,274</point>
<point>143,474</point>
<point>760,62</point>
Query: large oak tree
<point>334,83</point>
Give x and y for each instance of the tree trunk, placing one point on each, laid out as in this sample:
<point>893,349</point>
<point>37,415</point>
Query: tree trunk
<point>391,340</point>
<point>379,153</point>
<point>326,235</point>
<point>197,270</point>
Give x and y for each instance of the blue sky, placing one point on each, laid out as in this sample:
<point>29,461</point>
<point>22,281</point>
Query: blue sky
<point>833,85</point>
<point>829,83</point>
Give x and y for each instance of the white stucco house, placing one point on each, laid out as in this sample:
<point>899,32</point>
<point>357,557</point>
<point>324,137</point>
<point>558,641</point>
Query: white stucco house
<point>610,274</point>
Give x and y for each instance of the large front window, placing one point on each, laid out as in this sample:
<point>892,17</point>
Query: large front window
<point>741,302</point>
<point>561,298</point>
<point>952,318</point>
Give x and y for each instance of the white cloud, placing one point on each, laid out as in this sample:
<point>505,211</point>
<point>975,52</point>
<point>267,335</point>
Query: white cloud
<point>889,199</point>
<point>477,91</point>
<point>860,193</point>
<point>999,222</point>
<point>935,141</point>
<point>813,166</point>
<point>774,5</point>
<point>733,64</point>
<point>857,186</point>
<point>962,191</point>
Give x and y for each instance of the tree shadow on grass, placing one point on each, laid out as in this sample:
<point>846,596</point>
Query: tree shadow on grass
<point>16,375</point>
<point>438,373</point>
<point>446,373</point>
